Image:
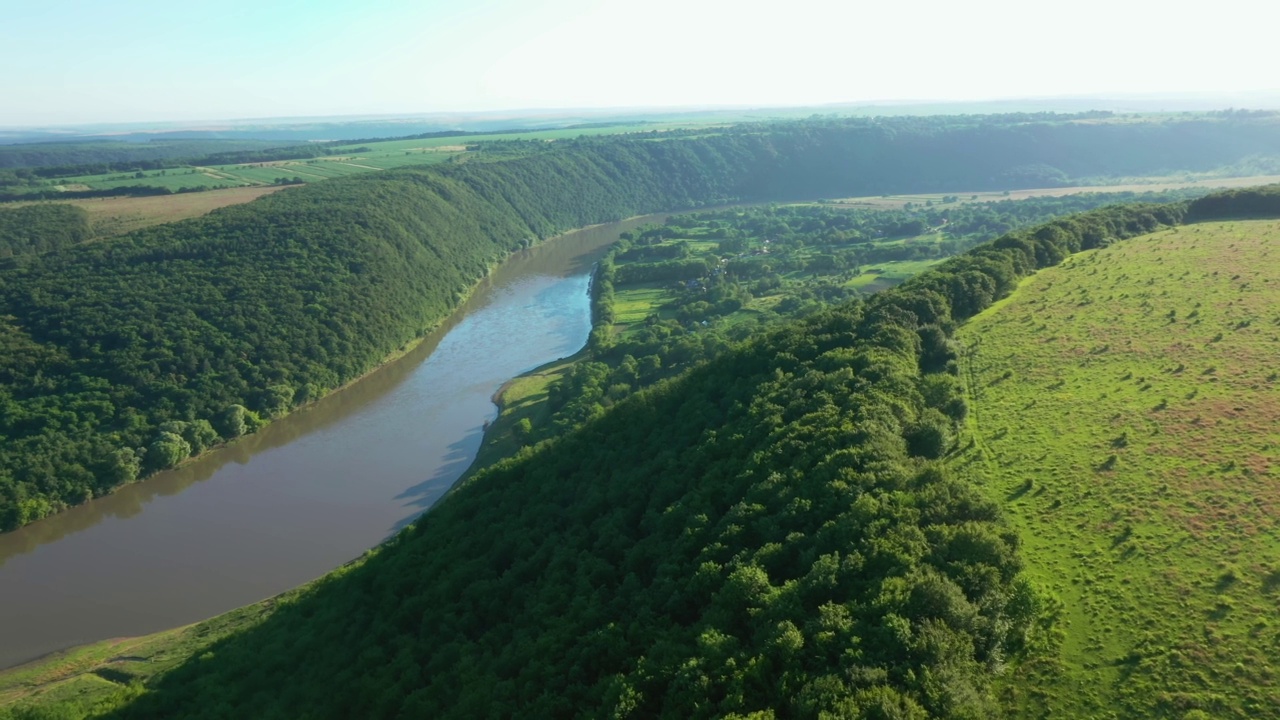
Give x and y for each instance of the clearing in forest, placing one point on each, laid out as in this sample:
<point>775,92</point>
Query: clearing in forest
<point>119,215</point>
<point>1125,408</point>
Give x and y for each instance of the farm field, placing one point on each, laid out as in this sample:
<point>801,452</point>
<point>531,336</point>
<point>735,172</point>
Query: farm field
<point>634,303</point>
<point>359,158</point>
<point>119,215</point>
<point>1125,409</point>
<point>638,301</point>
<point>887,274</point>
<point>1153,184</point>
<point>173,179</point>
<point>554,134</point>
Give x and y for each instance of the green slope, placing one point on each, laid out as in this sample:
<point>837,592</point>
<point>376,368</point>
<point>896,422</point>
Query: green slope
<point>753,536</point>
<point>1125,410</point>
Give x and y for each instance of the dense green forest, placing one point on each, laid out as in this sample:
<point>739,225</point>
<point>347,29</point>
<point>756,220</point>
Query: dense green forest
<point>50,159</point>
<point>767,533</point>
<point>1245,203</point>
<point>126,356</point>
<point>33,229</point>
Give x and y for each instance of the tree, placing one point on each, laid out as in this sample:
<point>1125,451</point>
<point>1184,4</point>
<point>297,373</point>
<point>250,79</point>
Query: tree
<point>276,400</point>
<point>931,436</point>
<point>166,451</point>
<point>231,423</point>
<point>119,468</point>
<point>200,435</point>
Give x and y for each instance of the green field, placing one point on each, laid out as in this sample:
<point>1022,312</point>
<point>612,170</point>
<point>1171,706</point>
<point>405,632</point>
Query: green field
<point>636,302</point>
<point>553,134</point>
<point>887,274</point>
<point>361,158</point>
<point>173,179</point>
<point>1125,408</point>
<point>520,399</point>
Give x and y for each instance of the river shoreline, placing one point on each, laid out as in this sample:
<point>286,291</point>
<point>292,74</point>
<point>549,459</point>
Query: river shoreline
<point>309,491</point>
<point>391,358</point>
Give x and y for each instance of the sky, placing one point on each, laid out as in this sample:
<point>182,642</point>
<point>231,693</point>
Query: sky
<point>89,61</point>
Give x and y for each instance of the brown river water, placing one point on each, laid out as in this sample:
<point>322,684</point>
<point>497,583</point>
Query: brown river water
<point>307,493</point>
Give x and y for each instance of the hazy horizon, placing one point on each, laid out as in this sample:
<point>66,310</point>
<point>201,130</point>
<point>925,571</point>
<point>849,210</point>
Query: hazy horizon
<point>1187,102</point>
<point>145,61</point>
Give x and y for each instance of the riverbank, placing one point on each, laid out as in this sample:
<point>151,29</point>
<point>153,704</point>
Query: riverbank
<point>215,454</point>
<point>103,672</point>
<point>520,399</point>
<point>85,676</point>
<point>88,674</point>
<point>308,492</point>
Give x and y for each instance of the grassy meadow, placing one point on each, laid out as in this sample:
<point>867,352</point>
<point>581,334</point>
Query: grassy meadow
<point>1125,409</point>
<point>884,275</point>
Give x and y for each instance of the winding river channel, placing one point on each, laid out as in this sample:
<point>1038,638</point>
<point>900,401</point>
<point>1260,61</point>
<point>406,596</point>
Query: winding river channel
<point>309,492</point>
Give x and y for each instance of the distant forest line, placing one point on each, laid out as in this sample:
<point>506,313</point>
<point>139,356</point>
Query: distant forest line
<point>1237,142</point>
<point>126,356</point>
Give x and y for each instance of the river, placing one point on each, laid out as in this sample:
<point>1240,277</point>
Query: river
<point>307,493</point>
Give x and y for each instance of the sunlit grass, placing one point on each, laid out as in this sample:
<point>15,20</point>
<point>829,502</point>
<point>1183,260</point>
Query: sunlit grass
<point>1126,411</point>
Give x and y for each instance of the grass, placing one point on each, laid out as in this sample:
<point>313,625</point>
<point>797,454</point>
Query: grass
<point>1125,409</point>
<point>519,399</point>
<point>172,179</point>
<point>887,274</point>
<point>268,175</point>
<point>633,303</point>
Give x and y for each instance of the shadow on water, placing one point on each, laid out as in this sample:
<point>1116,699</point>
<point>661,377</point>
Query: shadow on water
<point>425,494</point>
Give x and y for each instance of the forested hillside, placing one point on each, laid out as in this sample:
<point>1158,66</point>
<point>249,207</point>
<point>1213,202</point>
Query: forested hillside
<point>1260,202</point>
<point>33,229</point>
<point>126,356</point>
